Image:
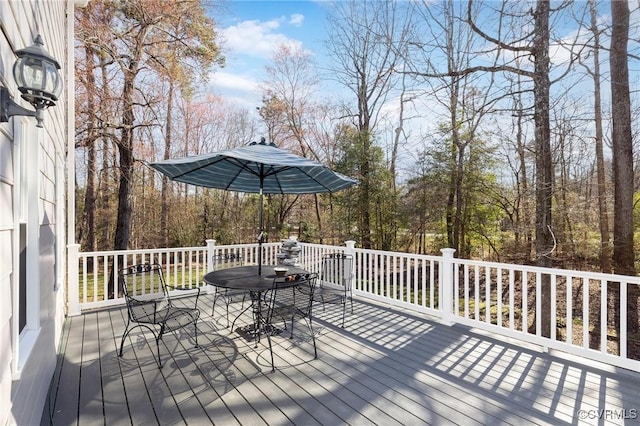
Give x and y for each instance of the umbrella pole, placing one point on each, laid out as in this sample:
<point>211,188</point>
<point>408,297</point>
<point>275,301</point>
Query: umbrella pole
<point>260,235</point>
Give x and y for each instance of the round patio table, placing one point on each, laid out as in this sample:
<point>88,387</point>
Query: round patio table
<point>248,279</point>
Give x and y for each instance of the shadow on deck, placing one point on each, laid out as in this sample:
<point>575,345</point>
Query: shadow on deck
<point>386,367</point>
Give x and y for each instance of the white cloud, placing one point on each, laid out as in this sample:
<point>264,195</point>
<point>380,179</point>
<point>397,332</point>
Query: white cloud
<point>256,38</point>
<point>296,19</point>
<point>240,89</point>
<point>248,46</point>
<point>225,80</point>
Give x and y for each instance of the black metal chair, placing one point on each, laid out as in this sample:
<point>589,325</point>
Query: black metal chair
<point>227,295</point>
<point>335,281</point>
<point>286,303</point>
<point>149,305</point>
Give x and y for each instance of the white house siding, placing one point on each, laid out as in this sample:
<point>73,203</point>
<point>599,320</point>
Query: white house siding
<point>27,361</point>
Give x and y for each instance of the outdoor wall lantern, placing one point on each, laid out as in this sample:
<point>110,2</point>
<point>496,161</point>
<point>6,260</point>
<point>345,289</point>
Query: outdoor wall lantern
<point>38,79</point>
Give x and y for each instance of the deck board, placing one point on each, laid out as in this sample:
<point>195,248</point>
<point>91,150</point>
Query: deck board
<point>112,381</point>
<point>386,367</point>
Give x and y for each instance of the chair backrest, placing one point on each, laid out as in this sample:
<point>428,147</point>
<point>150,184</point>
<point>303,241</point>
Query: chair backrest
<point>143,282</point>
<point>297,298</point>
<point>336,270</point>
<point>303,295</point>
<point>227,260</point>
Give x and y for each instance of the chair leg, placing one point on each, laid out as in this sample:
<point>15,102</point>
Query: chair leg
<point>213,308</point>
<point>124,336</point>
<point>293,317</point>
<point>227,302</point>
<point>156,338</point>
<point>273,365</point>
<point>313,336</point>
<point>158,344</point>
<point>233,324</point>
<point>158,347</point>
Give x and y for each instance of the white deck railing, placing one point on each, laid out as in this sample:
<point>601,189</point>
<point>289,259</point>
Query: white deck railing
<point>496,297</point>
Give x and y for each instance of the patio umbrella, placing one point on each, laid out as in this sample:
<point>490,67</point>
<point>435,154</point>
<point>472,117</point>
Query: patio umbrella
<point>259,168</point>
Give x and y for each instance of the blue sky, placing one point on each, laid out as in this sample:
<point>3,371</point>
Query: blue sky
<point>252,31</point>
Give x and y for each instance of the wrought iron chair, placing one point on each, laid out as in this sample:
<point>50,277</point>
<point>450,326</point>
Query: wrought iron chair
<point>227,295</point>
<point>149,305</point>
<point>285,302</point>
<point>335,280</point>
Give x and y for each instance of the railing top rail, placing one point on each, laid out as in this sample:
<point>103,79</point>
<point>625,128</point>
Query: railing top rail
<point>323,246</point>
<point>399,254</point>
<point>138,251</point>
<point>551,271</point>
<point>167,249</point>
<point>246,245</point>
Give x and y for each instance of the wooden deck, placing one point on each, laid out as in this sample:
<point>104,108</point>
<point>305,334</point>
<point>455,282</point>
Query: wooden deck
<point>385,367</point>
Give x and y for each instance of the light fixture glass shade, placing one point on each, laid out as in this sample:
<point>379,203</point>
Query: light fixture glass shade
<point>36,74</point>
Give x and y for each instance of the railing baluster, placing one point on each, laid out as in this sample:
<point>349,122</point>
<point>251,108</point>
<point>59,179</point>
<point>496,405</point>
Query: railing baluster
<point>603,316</point>
<point>569,307</point>
<point>538,313</point>
<point>466,291</point>
<point>512,305</point>
<point>418,280</point>
<point>432,288</point>
<point>499,296</point>
<point>622,333</point>
<point>487,297</point>
<point>554,306</point>
<point>525,302</point>
<point>96,280</point>
<point>84,280</point>
<point>105,281</point>
<point>585,312</point>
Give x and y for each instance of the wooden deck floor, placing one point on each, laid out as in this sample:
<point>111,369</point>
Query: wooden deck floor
<point>386,367</point>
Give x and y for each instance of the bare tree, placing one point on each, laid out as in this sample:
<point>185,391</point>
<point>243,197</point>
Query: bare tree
<point>361,40</point>
<point>510,50</point>
<point>137,40</point>
<point>605,246</point>
<point>623,250</point>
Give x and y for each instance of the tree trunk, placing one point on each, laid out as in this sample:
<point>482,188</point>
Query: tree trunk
<point>365,185</point>
<point>125,146</point>
<point>105,189</point>
<point>90,192</point>
<point>544,165</point>
<point>623,176</point>
<point>605,244</point>
<point>125,149</point>
<point>316,203</point>
<point>164,213</point>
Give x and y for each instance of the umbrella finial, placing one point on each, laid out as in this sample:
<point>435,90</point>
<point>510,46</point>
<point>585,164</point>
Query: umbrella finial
<point>263,141</point>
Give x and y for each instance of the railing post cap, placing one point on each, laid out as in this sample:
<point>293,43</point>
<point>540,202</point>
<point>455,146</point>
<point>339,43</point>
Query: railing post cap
<point>448,251</point>
<point>350,244</point>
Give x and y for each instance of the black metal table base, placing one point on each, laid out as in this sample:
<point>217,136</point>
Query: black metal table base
<point>250,334</point>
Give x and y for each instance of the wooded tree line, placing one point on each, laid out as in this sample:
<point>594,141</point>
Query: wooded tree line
<point>505,130</point>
